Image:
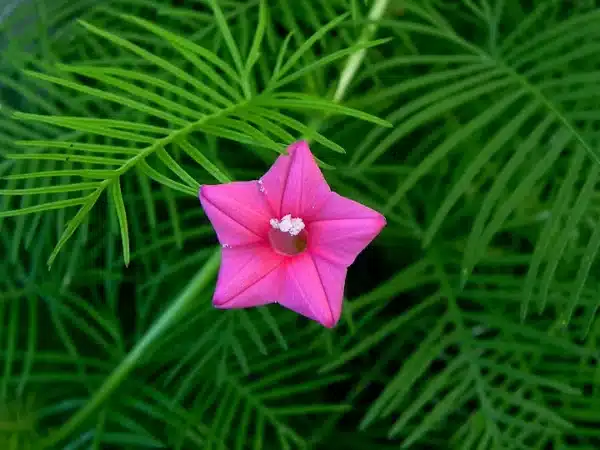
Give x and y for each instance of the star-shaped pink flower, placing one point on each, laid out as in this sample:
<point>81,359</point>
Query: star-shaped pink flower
<point>287,238</point>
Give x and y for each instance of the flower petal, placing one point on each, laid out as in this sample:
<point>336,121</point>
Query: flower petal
<point>314,288</point>
<point>342,229</point>
<point>238,212</point>
<point>249,276</point>
<point>294,184</point>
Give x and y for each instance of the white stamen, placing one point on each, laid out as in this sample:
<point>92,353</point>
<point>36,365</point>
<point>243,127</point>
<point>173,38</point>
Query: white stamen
<point>297,226</point>
<point>287,224</point>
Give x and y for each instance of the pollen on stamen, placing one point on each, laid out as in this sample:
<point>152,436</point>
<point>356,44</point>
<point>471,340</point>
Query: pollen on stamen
<point>287,224</point>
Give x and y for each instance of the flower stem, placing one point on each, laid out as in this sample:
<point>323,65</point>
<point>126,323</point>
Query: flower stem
<point>164,322</point>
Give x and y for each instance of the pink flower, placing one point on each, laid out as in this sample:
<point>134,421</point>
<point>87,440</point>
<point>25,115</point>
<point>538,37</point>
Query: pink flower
<point>287,238</point>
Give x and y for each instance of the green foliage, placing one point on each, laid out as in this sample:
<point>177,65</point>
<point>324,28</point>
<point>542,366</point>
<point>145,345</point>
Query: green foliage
<point>471,323</point>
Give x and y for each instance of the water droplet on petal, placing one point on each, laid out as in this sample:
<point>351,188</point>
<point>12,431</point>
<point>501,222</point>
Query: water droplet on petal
<point>261,187</point>
<point>226,246</point>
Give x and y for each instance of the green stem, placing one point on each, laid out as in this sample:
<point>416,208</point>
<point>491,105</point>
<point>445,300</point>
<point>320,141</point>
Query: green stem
<point>164,322</point>
<point>354,60</point>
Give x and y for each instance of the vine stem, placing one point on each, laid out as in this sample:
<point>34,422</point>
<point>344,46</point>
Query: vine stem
<point>168,318</point>
<point>355,60</point>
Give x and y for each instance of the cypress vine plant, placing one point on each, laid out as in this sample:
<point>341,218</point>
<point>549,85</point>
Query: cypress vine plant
<point>471,323</point>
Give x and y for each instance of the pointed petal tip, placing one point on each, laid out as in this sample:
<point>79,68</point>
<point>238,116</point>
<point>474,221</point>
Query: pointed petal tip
<point>327,320</point>
<point>383,221</point>
<point>301,146</point>
<point>218,305</point>
<point>202,191</point>
<point>206,188</point>
<point>219,301</point>
<point>202,195</point>
<point>378,223</point>
<point>329,323</point>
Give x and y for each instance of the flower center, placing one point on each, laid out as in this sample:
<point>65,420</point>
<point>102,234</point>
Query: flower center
<point>287,236</point>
